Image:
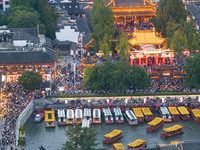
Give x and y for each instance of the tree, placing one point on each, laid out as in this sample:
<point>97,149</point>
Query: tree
<point>192,67</point>
<point>80,138</point>
<point>30,80</point>
<point>15,3</point>
<point>102,22</point>
<point>106,45</point>
<point>123,46</point>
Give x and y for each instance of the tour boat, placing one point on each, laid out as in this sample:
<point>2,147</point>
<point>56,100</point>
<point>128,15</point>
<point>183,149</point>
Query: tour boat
<point>70,116</point>
<point>184,113</point>
<point>108,116</point>
<point>165,114</point>
<point>112,136</point>
<point>147,113</point>
<point>118,115</point>
<point>155,124</point>
<point>137,144</point>
<point>88,114</point>
<point>78,115</point>
<point>171,131</point>
<point>196,115</point>
<point>138,113</point>
<point>38,116</point>
<point>50,119</point>
<point>96,116</point>
<point>130,117</point>
<point>118,146</point>
<point>61,117</point>
<point>86,123</point>
<point>175,114</point>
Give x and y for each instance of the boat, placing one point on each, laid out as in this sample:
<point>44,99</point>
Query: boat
<point>155,124</point>
<point>96,116</point>
<point>78,115</point>
<point>138,113</point>
<point>87,114</point>
<point>38,116</point>
<point>61,117</point>
<point>86,123</point>
<point>108,116</point>
<point>165,114</point>
<point>184,113</point>
<point>118,115</point>
<point>171,131</point>
<point>130,117</point>
<point>196,115</point>
<point>50,119</point>
<point>70,116</point>
<point>175,114</point>
<point>112,136</point>
<point>137,144</point>
<point>147,113</point>
<point>117,146</point>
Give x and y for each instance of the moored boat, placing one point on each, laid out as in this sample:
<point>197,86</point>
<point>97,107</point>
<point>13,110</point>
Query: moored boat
<point>118,146</point>
<point>147,113</point>
<point>50,119</point>
<point>171,131</point>
<point>88,114</point>
<point>112,136</point>
<point>130,117</point>
<point>155,124</point>
<point>118,115</point>
<point>96,116</point>
<point>196,115</point>
<point>175,114</point>
<point>137,144</point>
<point>138,113</point>
<point>78,115</point>
<point>165,114</point>
<point>184,113</point>
<point>108,116</point>
<point>61,117</point>
<point>86,123</point>
<point>38,116</point>
<point>70,116</point>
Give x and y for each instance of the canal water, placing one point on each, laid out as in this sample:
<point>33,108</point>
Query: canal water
<point>53,138</point>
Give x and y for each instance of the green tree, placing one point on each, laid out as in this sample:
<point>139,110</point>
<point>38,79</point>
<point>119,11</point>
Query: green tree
<point>123,46</point>
<point>106,45</point>
<point>3,19</point>
<point>192,67</point>
<point>102,22</point>
<point>30,80</point>
<point>80,138</point>
<point>15,3</point>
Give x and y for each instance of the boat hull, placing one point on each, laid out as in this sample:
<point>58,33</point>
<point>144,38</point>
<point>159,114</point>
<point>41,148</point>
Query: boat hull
<point>112,140</point>
<point>62,123</point>
<point>175,118</point>
<point>148,118</point>
<point>131,123</point>
<point>119,121</point>
<point>164,135</point>
<point>197,120</point>
<point>142,146</point>
<point>185,117</point>
<point>154,128</point>
<point>41,118</point>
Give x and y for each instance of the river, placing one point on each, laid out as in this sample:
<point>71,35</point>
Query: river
<point>53,138</point>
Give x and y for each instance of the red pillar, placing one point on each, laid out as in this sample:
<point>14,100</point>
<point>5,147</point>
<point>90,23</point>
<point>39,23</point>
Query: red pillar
<point>163,60</point>
<point>131,62</point>
<point>140,61</point>
<point>146,61</point>
<point>171,59</point>
<point>156,59</point>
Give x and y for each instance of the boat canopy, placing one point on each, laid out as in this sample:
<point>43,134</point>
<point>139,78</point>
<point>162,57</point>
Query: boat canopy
<point>164,111</point>
<point>173,128</point>
<point>107,112</point>
<point>112,134</point>
<point>118,146</point>
<point>87,112</point>
<point>78,113</point>
<point>138,112</point>
<point>156,121</point>
<point>49,116</point>
<point>117,111</point>
<point>183,110</point>
<point>85,123</point>
<point>147,111</point>
<point>61,113</point>
<point>137,143</point>
<point>173,110</point>
<point>196,112</point>
<point>131,115</point>
<point>96,113</point>
<point>70,114</point>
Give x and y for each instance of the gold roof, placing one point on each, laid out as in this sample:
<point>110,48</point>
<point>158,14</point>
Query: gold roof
<point>183,110</point>
<point>138,142</point>
<point>196,112</point>
<point>173,128</point>
<point>146,111</point>
<point>118,146</point>
<point>156,121</point>
<point>49,116</point>
<point>113,133</point>
<point>173,110</point>
<point>138,112</point>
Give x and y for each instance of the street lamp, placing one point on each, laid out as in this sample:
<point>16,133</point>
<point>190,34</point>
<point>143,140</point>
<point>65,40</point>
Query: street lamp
<point>81,36</point>
<point>74,63</point>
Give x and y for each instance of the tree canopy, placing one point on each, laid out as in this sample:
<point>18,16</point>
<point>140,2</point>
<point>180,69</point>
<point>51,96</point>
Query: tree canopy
<point>30,80</point>
<point>102,22</point>
<point>192,67</point>
<point>116,76</point>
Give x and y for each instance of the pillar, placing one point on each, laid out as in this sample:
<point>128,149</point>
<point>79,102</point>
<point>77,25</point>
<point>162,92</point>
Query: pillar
<point>163,60</point>
<point>131,62</point>
<point>171,59</point>
<point>156,59</point>
<point>140,60</point>
<point>146,61</point>
<point>124,20</point>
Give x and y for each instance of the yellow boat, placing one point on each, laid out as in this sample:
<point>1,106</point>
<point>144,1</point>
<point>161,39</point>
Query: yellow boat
<point>117,146</point>
<point>175,114</point>
<point>171,131</point>
<point>50,119</point>
<point>147,113</point>
<point>112,136</point>
<point>196,115</point>
<point>155,124</point>
<point>138,113</point>
<point>96,116</point>
<point>137,144</point>
<point>184,113</point>
<point>70,116</point>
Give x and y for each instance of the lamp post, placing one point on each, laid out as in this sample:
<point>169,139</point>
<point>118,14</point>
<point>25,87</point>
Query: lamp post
<point>81,36</point>
<point>74,63</point>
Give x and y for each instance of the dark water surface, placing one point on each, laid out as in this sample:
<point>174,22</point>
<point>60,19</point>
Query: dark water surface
<point>53,138</point>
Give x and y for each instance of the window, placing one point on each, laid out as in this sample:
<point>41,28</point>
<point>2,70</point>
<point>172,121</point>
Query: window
<point>63,6</point>
<point>7,3</point>
<point>76,6</point>
<point>70,6</point>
